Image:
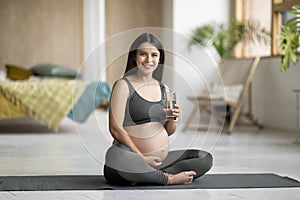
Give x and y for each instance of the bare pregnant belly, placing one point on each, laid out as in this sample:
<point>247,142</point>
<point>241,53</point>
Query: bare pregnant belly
<point>151,139</point>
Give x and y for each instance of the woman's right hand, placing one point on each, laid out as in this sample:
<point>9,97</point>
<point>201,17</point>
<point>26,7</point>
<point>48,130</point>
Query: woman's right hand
<point>152,160</point>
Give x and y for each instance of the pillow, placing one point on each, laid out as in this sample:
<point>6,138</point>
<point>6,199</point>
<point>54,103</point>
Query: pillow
<point>54,71</point>
<point>96,95</point>
<point>2,75</point>
<point>14,72</point>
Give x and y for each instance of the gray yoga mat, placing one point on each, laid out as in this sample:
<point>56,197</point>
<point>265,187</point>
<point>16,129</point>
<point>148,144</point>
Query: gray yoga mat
<point>95,182</point>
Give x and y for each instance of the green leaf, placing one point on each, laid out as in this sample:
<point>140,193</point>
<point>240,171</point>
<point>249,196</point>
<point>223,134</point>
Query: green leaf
<point>289,39</point>
<point>224,38</point>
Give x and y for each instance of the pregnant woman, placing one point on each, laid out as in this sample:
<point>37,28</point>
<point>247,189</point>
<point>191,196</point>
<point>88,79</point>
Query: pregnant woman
<point>137,122</point>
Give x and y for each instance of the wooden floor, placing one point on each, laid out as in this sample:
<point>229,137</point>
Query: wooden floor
<point>27,148</point>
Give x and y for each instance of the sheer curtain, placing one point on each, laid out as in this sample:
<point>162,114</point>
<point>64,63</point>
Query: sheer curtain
<point>256,11</point>
<point>94,38</point>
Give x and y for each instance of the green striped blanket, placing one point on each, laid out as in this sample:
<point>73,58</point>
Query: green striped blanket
<point>46,100</point>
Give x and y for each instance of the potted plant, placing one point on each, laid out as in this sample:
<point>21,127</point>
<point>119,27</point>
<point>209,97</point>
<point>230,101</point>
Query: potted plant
<point>289,39</point>
<point>224,38</point>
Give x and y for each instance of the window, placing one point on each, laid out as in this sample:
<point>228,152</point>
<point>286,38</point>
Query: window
<point>269,13</point>
<point>280,15</point>
<point>256,11</point>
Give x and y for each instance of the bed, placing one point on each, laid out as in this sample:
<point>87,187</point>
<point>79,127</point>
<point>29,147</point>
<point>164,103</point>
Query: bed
<point>48,100</point>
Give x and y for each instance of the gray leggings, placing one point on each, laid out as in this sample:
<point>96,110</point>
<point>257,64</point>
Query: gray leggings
<point>124,167</point>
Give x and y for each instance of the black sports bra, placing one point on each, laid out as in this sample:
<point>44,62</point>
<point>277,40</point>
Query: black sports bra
<point>140,111</point>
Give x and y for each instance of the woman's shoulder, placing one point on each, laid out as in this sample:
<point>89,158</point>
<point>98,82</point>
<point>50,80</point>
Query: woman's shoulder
<point>120,84</point>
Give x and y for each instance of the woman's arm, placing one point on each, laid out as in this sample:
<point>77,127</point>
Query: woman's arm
<point>118,99</point>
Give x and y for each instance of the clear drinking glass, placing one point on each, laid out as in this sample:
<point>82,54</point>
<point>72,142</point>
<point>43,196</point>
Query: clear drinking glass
<point>169,103</point>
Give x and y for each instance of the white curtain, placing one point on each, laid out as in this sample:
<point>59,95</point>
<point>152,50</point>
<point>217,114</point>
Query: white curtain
<point>94,38</point>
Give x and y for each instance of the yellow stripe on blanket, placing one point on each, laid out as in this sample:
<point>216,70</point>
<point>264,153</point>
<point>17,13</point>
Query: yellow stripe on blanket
<point>47,100</point>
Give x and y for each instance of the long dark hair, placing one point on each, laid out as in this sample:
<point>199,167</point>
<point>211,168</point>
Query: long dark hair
<point>131,63</point>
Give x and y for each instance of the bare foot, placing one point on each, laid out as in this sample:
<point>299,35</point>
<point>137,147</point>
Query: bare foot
<point>181,178</point>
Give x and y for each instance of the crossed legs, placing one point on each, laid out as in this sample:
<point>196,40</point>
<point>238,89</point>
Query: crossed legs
<point>124,167</point>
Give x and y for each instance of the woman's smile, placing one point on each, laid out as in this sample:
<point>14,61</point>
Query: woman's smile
<point>147,57</point>
<point>148,66</point>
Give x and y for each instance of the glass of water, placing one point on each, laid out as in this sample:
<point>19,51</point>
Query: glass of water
<point>169,103</point>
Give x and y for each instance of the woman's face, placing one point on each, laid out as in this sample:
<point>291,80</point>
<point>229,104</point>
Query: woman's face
<point>147,58</point>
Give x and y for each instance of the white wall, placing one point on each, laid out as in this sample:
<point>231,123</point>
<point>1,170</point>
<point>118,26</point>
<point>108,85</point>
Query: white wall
<point>274,103</point>
<point>193,67</point>
<point>191,13</point>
